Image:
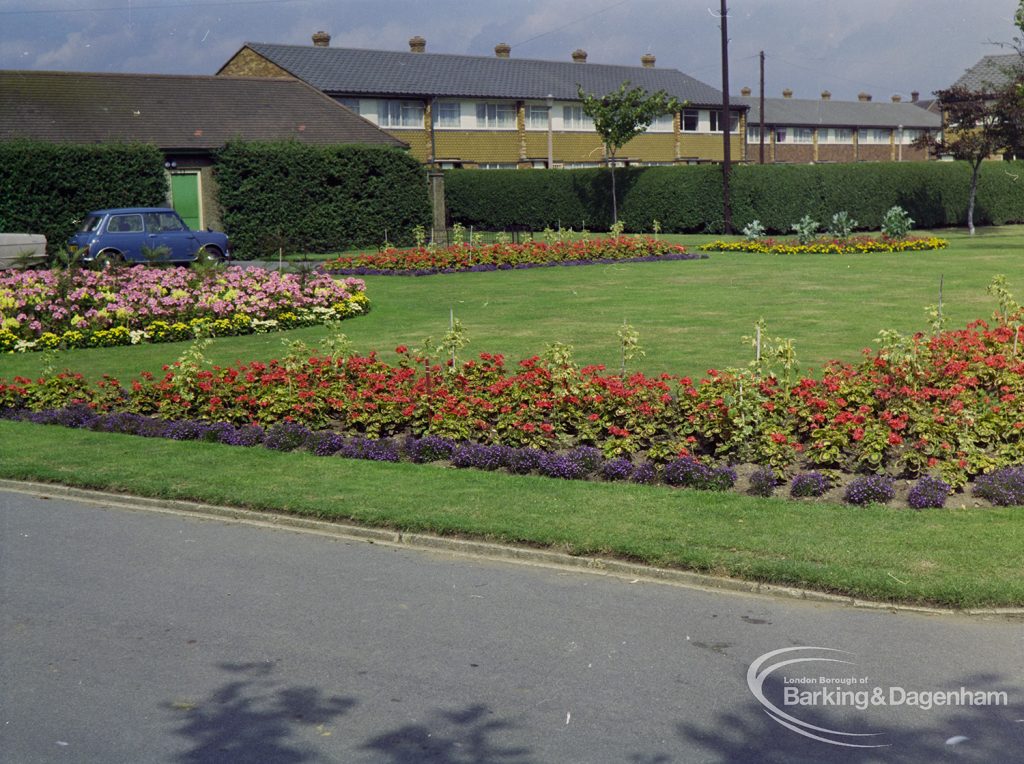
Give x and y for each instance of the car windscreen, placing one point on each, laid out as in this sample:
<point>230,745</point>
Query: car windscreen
<point>90,224</point>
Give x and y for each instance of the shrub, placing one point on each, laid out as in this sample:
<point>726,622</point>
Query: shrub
<point>287,436</point>
<point>897,223</point>
<point>928,492</point>
<point>809,485</point>
<point>1004,487</point>
<point>842,225</point>
<point>754,230</point>
<point>762,481</point>
<point>806,229</point>
<point>870,489</point>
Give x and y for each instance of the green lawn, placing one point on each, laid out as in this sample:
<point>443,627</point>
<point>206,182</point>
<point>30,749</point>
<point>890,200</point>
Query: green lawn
<point>690,316</point>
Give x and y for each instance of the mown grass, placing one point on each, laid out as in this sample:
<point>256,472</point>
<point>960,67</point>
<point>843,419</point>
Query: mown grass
<point>690,316</point>
<point>953,557</point>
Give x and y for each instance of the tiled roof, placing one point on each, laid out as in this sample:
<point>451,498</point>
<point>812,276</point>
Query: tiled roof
<point>852,114</point>
<point>343,71</point>
<point>989,72</point>
<point>173,112</point>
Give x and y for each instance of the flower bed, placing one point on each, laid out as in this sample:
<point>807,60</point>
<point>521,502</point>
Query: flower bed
<point>950,405</point>
<point>852,245</point>
<point>422,261</point>
<point>85,308</point>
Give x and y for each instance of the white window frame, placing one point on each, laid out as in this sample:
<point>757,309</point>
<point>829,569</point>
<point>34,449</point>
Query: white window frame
<point>734,120</point>
<point>690,116</point>
<point>496,115</point>
<point>575,120</point>
<point>537,116</point>
<point>447,115</point>
<point>874,136</point>
<point>663,123</point>
<point>802,135</point>
<point>403,115</point>
<point>835,135</point>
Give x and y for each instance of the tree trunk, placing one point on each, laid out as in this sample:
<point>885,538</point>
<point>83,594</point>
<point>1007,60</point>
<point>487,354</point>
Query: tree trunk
<point>615,203</point>
<point>975,168</point>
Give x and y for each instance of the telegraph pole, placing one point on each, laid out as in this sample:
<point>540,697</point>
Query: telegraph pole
<point>760,130</point>
<point>724,122</point>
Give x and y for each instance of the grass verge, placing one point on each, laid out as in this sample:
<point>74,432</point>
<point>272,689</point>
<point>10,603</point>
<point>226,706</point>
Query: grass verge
<point>954,557</point>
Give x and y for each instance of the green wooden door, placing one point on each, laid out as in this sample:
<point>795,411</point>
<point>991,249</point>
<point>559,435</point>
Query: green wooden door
<point>185,198</point>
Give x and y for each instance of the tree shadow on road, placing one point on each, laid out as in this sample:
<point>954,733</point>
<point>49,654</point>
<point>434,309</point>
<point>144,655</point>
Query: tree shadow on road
<point>253,719</point>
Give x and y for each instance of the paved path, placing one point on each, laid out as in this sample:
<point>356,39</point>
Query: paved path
<point>133,636</point>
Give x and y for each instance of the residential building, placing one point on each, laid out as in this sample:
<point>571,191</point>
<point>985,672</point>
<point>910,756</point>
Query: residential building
<point>499,112</point>
<point>188,118</point>
<point>800,130</point>
<point>991,73</point>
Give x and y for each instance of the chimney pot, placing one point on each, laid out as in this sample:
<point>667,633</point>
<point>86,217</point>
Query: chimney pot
<point>321,39</point>
<point>648,59</point>
<point>579,56</point>
<point>787,93</point>
<point>826,95</point>
<point>502,50</point>
<point>417,45</point>
<point>745,92</point>
<point>863,96</point>
<point>914,96</point>
<point>897,98</point>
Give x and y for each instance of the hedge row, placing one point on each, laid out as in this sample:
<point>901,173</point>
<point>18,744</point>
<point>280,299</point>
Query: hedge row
<point>318,198</point>
<point>46,187</point>
<point>689,199</point>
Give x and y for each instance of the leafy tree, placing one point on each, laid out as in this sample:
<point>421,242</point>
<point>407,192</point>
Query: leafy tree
<point>622,115</point>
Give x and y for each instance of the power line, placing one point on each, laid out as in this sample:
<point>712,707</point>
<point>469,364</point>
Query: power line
<point>570,23</point>
<point>144,7</point>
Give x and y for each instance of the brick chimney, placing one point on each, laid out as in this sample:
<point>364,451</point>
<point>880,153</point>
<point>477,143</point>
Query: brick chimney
<point>787,93</point>
<point>865,97</point>
<point>745,92</point>
<point>914,96</point>
<point>502,50</point>
<point>417,45</point>
<point>897,98</point>
<point>579,56</point>
<point>826,95</point>
<point>647,60</point>
<point>321,39</point>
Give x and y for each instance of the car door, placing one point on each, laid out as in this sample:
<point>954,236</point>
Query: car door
<point>126,234</point>
<point>166,230</point>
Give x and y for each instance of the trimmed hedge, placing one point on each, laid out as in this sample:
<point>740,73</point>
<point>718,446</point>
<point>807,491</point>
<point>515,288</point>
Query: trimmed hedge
<point>47,187</point>
<point>689,199</point>
<point>318,198</point>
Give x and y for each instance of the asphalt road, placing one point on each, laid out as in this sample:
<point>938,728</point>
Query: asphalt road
<point>133,636</point>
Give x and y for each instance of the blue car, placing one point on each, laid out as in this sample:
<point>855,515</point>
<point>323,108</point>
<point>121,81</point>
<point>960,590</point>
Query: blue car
<point>144,235</point>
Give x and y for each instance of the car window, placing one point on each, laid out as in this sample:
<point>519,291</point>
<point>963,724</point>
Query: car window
<point>163,222</point>
<point>90,224</point>
<point>125,224</point>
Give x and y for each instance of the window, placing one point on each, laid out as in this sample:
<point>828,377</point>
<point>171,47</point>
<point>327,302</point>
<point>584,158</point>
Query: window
<point>401,114</point>
<point>448,114</point>
<point>754,134</point>
<point>498,166</point>
<point>873,135</point>
<point>537,117</point>
<point>734,121</point>
<point>351,103</point>
<point>163,222</point>
<point>663,123</point>
<point>781,135</point>
<point>496,115</point>
<point>691,118</point>
<point>835,135</point>
<point>803,135</point>
<point>125,224</point>
<point>573,118</point>
<point>911,134</point>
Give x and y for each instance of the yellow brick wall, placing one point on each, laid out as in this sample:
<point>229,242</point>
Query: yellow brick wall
<point>478,146</point>
<point>708,146</point>
<point>651,147</point>
<point>248,63</point>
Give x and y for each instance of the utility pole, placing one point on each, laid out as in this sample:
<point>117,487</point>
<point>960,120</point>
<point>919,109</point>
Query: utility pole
<point>724,122</point>
<point>760,130</point>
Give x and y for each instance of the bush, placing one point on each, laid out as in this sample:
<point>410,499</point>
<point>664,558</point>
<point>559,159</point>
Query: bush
<point>870,489</point>
<point>303,198</point>
<point>48,187</point>
<point>928,492</point>
<point>808,485</point>
<point>762,482</point>
<point>1004,488</point>
<point>897,223</point>
<point>842,225</point>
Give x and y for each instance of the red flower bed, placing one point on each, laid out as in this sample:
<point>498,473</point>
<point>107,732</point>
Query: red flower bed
<point>952,405</point>
<point>489,257</point>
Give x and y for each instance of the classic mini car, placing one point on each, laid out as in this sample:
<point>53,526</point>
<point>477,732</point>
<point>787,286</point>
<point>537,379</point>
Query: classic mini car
<point>144,235</point>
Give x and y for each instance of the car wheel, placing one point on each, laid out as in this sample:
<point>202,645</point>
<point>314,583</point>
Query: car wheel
<point>210,254</point>
<point>108,258</point>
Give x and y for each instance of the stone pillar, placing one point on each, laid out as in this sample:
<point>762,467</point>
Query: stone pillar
<point>438,227</point>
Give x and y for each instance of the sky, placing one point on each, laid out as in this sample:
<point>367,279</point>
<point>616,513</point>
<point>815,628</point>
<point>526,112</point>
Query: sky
<point>881,47</point>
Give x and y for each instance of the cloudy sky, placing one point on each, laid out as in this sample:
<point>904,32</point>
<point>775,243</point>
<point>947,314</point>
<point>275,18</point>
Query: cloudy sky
<point>882,47</point>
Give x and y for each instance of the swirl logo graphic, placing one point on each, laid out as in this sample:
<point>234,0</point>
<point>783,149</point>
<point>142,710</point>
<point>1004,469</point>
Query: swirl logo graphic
<point>763,667</point>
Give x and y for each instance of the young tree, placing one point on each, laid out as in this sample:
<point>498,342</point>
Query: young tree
<point>973,132</point>
<point>622,115</point>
